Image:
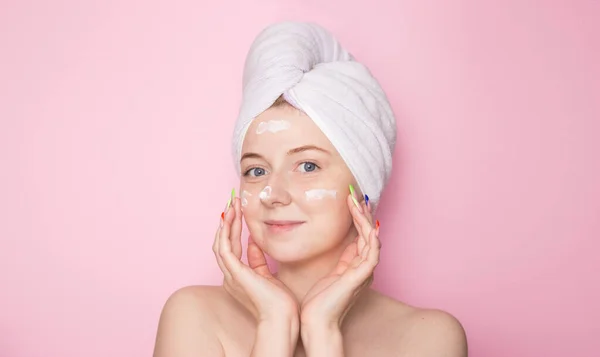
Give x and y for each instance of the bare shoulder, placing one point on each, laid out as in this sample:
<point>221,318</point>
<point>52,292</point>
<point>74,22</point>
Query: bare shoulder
<point>437,333</point>
<point>418,331</point>
<point>189,324</point>
<point>200,296</point>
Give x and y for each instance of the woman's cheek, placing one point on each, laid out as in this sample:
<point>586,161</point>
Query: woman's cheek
<point>319,197</point>
<point>250,204</point>
<point>246,197</point>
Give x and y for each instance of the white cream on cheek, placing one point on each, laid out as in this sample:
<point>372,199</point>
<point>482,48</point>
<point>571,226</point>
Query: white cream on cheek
<point>245,195</point>
<point>319,194</point>
<point>265,193</point>
<point>273,126</point>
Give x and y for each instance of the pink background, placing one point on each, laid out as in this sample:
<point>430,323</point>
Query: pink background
<point>114,145</point>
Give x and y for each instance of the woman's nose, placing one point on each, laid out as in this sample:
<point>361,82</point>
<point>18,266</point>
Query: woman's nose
<point>275,193</point>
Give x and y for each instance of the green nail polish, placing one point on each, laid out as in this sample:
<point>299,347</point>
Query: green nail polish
<point>230,200</point>
<point>353,198</point>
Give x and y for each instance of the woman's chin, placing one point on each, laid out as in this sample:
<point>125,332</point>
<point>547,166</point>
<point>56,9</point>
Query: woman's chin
<point>290,247</point>
<point>288,253</point>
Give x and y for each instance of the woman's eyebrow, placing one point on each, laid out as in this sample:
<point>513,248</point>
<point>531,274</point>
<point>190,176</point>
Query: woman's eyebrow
<point>253,155</point>
<point>306,148</point>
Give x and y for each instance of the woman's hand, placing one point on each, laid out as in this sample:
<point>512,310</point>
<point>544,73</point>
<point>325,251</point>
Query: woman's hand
<point>253,285</point>
<point>326,304</point>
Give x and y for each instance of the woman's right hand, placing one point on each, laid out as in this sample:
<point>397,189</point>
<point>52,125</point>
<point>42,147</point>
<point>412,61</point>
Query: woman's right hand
<point>253,285</point>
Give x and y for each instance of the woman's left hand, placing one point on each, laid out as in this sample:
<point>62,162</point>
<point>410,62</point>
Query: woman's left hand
<point>329,300</point>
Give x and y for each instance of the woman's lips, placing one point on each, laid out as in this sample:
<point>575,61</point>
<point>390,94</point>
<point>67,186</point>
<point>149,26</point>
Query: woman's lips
<point>282,226</point>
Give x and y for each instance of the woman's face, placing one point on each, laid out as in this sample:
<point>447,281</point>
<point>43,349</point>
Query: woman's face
<point>294,187</point>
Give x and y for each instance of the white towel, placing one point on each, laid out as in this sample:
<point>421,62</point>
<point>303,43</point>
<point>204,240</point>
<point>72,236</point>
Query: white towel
<point>306,64</point>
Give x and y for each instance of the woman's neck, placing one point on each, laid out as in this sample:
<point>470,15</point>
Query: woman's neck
<point>301,276</point>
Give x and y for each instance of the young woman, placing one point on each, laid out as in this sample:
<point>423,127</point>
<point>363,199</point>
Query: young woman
<point>313,145</point>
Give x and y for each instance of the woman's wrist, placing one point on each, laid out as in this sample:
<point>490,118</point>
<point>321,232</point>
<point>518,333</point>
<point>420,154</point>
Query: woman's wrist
<point>285,323</point>
<point>276,337</point>
<point>322,339</point>
<point>279,316</point>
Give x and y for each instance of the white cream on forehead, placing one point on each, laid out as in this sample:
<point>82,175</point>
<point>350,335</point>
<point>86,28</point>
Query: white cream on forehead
<point>319,194</point>
<point>273,126</point>
<point>245,195</point>
<point>265,193</point>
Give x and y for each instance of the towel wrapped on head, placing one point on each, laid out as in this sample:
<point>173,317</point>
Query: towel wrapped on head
<point>314,73</point>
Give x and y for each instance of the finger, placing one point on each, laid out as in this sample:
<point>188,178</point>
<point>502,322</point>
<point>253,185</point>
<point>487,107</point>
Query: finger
<point>346,258</point>
<point>368,203</point>
<point>216,250</point>
<point>377,233</point>
<point>372,255</point>
<point>257,260</point>
<point>375,243</point>
<point>360,248</point>
<point>360,240</point>
<point>231,262</point>
<point>373,240</point>
<point>361,223</point>
<point>367,265</point>
<point>367,209</point>
<point>360,257</point>
<point>235,237</point>
<point>240,272</point>
<point>242,275</point>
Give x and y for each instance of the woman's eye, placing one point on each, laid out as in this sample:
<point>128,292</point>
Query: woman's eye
<point>255,171</point>
<point>308,167</point>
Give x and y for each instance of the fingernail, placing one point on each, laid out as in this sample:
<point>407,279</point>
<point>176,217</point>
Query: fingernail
<point>230,200</point>
<point>377,226</point>
<point>367,200</point>
<point>353,197</point>
<point>222,219</point>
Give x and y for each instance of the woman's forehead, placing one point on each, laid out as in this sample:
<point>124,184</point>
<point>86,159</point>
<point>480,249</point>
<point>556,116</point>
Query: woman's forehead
<point>282,128</point>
